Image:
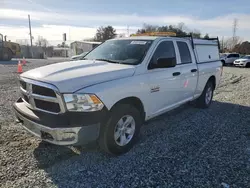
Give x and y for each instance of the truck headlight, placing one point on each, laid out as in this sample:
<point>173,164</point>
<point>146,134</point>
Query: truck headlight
<point>82,102</point>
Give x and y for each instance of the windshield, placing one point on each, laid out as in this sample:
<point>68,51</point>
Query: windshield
<point>246,57</point>
<point>121,51</point>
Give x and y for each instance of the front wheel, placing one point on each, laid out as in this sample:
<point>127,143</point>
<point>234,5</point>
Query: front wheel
<point>121,131</point>
<point>206,97</point>
<point>7,55</point>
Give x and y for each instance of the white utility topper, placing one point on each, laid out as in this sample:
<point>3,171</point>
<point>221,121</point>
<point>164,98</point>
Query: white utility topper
<point>108,95</point>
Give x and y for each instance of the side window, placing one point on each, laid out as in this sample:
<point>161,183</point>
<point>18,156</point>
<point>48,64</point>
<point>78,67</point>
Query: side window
<point>164,50</point>
<point>184,52</point>
<point>237,55</point>
<point>230,55</point>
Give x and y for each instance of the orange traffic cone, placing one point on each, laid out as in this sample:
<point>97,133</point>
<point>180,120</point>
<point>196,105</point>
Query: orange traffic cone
<point>19,67</point>
<point>24,61</point>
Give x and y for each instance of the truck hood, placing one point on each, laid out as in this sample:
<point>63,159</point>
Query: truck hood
<point>74,75</point>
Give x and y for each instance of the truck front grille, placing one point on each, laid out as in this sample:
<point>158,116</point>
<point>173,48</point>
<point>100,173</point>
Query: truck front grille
<point>43,91</point>
<point>48,106</point>
<point>41,96</point>
<point>23,84</point>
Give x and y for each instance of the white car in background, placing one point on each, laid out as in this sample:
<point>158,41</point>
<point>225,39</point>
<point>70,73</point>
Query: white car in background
<point>243,62</point>
<point>229,58</point>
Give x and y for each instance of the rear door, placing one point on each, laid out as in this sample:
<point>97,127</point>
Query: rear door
<point>189,72</point>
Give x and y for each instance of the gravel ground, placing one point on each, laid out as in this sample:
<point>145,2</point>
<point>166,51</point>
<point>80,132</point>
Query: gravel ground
<point>187,147</point>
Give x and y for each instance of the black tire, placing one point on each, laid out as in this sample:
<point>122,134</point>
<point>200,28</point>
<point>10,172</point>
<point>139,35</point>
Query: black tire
<point>223,63</point>
<point>7,54</point>
<point>107,141</point>
<point>248,65</point>
<point>201,101</point>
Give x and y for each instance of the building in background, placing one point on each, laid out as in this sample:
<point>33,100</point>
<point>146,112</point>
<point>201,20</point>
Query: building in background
<point>61,52</point>
<point>78,47</point>
<point>38,52</point>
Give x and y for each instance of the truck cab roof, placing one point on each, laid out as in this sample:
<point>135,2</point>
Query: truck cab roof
<point>196,41</point>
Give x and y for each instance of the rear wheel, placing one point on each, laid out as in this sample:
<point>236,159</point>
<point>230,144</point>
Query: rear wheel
<point>206,97</point>
<point>223,63</point>
<point>7,54</point>
<point>121,131</point>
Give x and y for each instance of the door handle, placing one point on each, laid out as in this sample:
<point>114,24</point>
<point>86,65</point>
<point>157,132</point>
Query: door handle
<point>194,70</point>
<point>176,73</point>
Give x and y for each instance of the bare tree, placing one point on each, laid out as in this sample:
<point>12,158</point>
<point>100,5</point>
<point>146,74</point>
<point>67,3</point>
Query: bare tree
<point>243,48</point>
<point>121,35</point>
<point>206,36</point>
<point>42,42</point>
<point>196,33</point>
<point>105,33</point>
<point>147,28</point>
<point>23,42</point>
<point>181,26</point>
<point>231,42</point>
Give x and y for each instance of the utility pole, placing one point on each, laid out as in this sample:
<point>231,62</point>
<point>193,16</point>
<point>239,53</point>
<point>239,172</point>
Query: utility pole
<point>222,45</point>
<point>235,25</point>
<point>30,38</point>
<point>64,42</point>
<point>128,31</point>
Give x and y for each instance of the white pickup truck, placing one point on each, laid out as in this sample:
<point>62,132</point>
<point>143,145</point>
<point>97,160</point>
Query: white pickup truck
<point>108,95</point>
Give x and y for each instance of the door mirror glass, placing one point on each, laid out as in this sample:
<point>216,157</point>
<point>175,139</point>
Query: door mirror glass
<point>164,63</point>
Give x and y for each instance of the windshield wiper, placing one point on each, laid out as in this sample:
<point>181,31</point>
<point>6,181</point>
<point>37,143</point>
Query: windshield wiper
<point>107,60</point>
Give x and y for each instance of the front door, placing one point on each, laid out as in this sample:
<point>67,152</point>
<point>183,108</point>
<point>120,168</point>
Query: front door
<point>164,83</point>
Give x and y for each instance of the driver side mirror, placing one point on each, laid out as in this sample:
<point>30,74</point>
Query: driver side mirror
<point>163,63</point>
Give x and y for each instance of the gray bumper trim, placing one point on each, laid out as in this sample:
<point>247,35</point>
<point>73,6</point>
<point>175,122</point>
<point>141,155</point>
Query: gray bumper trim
<point>61,136</point>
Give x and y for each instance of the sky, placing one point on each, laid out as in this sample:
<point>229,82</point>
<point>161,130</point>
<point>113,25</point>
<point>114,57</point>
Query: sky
<point>79,19</point>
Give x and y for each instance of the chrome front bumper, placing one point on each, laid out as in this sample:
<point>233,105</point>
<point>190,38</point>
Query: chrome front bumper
<point>63,129</point>
<point>58,136</point>
<point>239,64</point>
